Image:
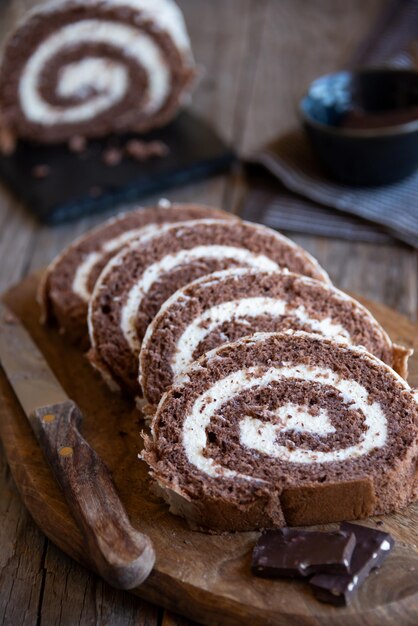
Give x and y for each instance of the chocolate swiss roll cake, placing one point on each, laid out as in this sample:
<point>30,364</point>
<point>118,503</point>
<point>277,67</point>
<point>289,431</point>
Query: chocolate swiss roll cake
<point>285,429</point>
<point>137,281</point>
<point>228,305</point>
<point>69,280</point>
<point>77,67</point>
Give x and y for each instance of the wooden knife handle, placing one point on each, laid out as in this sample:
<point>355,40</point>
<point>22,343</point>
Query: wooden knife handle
<point>123,556</point>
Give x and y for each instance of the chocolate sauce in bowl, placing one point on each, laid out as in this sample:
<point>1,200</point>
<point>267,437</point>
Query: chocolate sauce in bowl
<point>361,119</point>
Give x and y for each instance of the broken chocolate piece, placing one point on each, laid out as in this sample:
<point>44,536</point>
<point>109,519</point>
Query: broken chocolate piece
<point>372,547</point>
<point>299,553</point>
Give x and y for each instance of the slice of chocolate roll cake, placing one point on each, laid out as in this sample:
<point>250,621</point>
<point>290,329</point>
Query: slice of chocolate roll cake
<point>284,429</point>
<point>137,281</point>
<point>69,280</point>
<point>228,305</point>
<point>76,68</point>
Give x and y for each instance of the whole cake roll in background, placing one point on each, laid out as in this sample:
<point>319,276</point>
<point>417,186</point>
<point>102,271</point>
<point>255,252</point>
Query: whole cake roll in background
<point>91,68</point>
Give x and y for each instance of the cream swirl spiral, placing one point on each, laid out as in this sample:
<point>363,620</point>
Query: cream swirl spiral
<point>69,280</point>
<point>228,305</point>
<point>95,67</point>
<point>136,282</point>
<point>285,428</point>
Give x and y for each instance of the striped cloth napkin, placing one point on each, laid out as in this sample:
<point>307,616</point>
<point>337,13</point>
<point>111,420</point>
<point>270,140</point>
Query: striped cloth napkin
<point>296,195</point>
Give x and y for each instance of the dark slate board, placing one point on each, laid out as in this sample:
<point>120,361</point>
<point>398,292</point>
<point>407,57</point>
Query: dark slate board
<point>81,184</point>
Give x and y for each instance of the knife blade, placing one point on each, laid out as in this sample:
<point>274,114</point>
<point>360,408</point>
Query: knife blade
<point>123,556</point>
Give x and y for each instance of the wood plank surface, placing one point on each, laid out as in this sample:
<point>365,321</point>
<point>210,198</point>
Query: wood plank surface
<point>204,576</point>
<point>258,56</point>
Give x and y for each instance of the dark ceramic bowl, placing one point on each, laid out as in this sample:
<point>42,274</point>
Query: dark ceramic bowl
<point>364,125</point>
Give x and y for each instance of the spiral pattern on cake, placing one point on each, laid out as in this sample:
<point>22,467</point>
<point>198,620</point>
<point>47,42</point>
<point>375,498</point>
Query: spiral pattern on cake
<point>95,67</point>
<point>69,280</point>
<point>137,281</point>
<point>228,305</point>
<point>285,429</point>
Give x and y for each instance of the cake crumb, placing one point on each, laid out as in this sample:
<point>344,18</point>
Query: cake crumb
<point>9,318</point>
<point>77,144</point>
<point>41,171</point>
<point>112,157</point>
<point>141,150</point>
<point>95,191</point>
<point>7,140</point>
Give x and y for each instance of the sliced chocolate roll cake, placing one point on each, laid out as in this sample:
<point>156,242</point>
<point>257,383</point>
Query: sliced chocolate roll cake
<point>69,280</point>
<point>285,429</point>
<point>92,68</point>
<point>228,305</point>
<point>137,281</point>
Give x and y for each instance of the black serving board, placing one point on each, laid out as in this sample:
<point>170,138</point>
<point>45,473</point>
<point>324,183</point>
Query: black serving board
<point>79,184</point>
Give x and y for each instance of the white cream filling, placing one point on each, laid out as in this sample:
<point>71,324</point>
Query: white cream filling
<point>261,436</point>
<point>109,78</point>
<point>80,77</point>
<point>166,15</point>
<point>292,416</point>
<point>154,272</point>
<point>208,321</point>
<point>82,275</point>
<point>80,284</point>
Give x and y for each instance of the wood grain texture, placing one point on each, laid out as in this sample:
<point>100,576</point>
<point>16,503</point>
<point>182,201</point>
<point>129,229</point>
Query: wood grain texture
<point>21,556</point>
<point>258,57</point>
<point>123,556</point>
<point>205,577</point>
<point>72,595</point>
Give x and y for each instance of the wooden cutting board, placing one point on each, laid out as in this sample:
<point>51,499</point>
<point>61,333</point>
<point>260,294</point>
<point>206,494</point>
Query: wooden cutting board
<point>205,577</point>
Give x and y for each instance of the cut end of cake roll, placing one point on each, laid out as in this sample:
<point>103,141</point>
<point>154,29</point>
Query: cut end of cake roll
<point>228,305</point>
<point>74,68</point>
<point>400,358</point>
<point>136,282</point>
<point>285,429</point>
<point>68,282</point>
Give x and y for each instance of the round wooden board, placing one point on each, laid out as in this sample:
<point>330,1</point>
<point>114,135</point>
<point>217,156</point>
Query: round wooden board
<point>205,577</point>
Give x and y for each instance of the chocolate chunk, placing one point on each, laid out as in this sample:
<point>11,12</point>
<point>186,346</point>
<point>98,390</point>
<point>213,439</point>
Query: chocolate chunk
<point>298,553</point>
<point>372,547</point>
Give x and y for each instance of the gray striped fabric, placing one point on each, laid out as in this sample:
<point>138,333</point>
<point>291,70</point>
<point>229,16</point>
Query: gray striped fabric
<point>269,203</point>
<point>316,204</point>
<point>393,207</point>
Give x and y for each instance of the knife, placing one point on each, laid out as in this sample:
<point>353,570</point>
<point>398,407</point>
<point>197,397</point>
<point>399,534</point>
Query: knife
<point>123,556</point>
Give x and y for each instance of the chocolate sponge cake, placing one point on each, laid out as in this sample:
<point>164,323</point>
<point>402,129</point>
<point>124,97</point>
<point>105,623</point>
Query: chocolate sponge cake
<point>137,281</point>
<point>285,429</point>
<point>228,305</point>
<point>69,280</point>
<point>77,68</point>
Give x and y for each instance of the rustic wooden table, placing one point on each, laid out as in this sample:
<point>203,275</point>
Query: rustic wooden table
<point>258,57</point>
